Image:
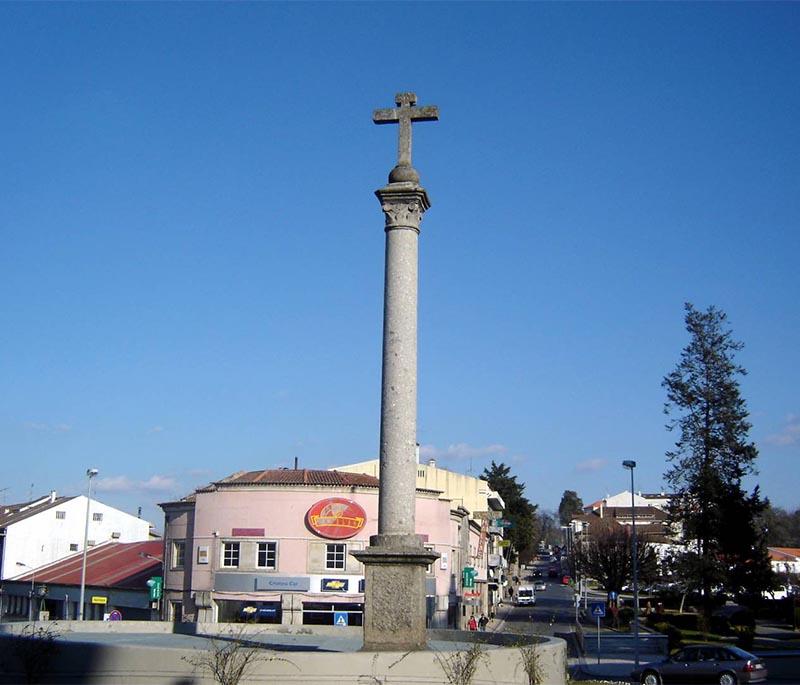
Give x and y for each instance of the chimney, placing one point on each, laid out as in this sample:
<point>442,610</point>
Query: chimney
<point>52,496</point>
<point>296,463</point>
<point>602,504</point>
<point>432,462</point>
<point>416,451</point>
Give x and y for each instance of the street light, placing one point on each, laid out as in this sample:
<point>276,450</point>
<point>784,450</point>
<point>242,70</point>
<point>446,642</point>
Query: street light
<point>90,473</point>
<point>33,578</point>
<point>629,464</point>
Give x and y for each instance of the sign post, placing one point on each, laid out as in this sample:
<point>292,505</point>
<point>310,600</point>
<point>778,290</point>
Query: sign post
<point>598,611</point>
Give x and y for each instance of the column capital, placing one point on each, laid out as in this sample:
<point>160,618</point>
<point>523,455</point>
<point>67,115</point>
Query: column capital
<point>403,203</point>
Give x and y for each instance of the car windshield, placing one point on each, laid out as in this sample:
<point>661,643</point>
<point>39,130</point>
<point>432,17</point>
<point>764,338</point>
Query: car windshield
<point>524,593</point>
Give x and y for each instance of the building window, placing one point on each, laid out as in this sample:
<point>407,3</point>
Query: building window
<point>267,555</point>
<point>335,557</point>
<point>73,547</point>
<point>97,517</point>
<point>178,553</point>
<point>230,554</point>
<point>61,514</point>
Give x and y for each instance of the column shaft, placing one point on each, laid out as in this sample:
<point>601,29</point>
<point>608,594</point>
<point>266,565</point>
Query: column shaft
<point>399,386</point>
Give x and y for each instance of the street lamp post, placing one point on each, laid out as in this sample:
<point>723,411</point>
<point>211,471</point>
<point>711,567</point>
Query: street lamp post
<point>629,464</point>
<point>33,580</point>
<point>90,473</point>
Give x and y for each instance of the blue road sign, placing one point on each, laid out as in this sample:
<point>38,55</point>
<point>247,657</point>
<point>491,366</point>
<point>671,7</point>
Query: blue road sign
<point>340,618</point>
<point>597,609</point>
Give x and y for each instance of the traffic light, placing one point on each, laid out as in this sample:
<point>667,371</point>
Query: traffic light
<point>156,586</point>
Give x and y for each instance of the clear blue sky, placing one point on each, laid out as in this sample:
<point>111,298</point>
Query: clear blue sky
<point>192,255</point>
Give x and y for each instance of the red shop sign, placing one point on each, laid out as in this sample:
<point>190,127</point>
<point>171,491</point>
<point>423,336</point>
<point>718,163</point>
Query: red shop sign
<point>336,518</point>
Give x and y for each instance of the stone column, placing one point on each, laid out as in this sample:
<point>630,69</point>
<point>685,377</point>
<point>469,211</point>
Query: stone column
<point>395,561</point>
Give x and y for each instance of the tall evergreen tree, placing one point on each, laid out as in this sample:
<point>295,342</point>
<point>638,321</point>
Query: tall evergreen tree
<point>519,510</point>
<point>711,456</point>
<point>569,507</point>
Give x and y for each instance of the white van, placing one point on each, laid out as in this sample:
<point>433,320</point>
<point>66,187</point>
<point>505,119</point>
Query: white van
<point>526,596</point>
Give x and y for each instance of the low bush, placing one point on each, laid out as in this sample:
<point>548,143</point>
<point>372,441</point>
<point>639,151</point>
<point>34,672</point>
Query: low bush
<point>680,621</point>
<point>674,635</point>
<point>745,635</point>
<point>625,616</point>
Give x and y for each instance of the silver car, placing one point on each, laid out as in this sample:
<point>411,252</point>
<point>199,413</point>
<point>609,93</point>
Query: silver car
<point>704,664</point>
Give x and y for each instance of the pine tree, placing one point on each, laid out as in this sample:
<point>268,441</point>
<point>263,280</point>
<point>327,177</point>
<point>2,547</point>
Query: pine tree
<point>711,456</point>
<point>519,510</point>
<point>569,507</point>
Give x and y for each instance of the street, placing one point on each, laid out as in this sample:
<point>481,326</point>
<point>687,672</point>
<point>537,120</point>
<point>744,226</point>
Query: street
<point>554,612</point>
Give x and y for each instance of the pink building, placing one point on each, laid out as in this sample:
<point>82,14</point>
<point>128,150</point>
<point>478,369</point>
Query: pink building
<point>275,545</point>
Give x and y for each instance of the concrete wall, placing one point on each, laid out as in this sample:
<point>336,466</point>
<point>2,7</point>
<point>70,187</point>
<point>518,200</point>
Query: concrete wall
<point>97,664</point>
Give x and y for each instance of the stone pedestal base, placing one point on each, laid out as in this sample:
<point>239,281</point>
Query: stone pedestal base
<point>394,593</point>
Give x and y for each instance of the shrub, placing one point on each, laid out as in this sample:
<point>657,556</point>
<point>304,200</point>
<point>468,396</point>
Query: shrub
<point>625,616</point>
<point>680,621</point>
<point>35,648</point>
<point>745,635</point>
<point>674,635</point>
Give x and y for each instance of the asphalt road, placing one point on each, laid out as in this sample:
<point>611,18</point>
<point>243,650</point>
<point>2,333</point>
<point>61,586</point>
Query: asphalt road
<point>554,612</point>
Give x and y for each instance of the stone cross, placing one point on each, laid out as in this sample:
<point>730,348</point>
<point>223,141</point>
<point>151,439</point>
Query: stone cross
<point>395,561</point>
<point>405,112</point>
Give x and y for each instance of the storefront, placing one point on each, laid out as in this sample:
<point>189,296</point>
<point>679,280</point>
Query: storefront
<point>276,547</point>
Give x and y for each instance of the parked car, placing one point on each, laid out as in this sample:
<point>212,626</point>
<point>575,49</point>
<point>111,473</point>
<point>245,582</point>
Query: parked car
<point>722,664</point>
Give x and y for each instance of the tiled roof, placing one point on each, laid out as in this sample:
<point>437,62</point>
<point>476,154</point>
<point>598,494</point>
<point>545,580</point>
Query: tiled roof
<point>299,477</point>
<point>115,564</point>
<point>784,553</point>
<point>12,513</point>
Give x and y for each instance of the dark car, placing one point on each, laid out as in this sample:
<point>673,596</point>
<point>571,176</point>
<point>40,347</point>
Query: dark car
<point>704,664</point>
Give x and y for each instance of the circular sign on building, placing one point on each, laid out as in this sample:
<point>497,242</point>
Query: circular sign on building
<point>336,518</point>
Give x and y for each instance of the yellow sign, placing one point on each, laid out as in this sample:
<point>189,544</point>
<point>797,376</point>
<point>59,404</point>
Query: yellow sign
<point>503,543</point>
<point>99,600</point>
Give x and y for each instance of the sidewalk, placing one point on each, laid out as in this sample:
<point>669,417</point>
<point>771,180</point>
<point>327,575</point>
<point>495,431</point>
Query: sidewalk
<point>497,624</point>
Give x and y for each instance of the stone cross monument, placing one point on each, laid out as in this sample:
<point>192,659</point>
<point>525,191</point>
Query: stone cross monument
<point>395,561</point>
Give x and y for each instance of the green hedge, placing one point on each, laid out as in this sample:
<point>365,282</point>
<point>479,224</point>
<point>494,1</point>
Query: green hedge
<point>674,635</point>
<point>680,621</point>
<point>745,636</point>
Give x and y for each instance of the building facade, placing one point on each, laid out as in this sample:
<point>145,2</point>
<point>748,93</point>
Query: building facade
<point>116,585</point>
<point>275,546</point>
<point>39,532</point>
<point>483,568</point>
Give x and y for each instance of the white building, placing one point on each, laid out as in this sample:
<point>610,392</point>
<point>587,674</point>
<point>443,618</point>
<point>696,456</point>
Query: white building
<point>622,500</point>
<point>39,532</point>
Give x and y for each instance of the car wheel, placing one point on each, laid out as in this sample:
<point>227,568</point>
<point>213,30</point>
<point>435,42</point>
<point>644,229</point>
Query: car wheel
<point>650,678</point>
<point>727,678</point>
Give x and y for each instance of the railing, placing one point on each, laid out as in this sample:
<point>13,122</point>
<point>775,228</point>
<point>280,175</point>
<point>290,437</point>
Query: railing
<point>622,643</point>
